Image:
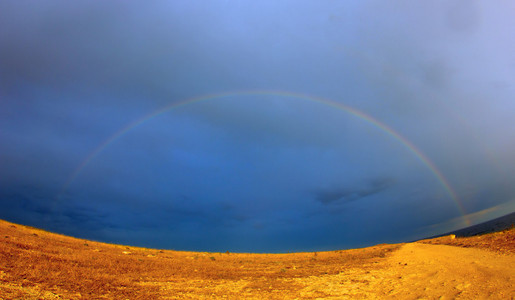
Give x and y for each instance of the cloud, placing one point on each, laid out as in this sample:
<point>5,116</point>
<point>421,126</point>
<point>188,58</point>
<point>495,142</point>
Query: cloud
<point>463,16</point>
<point>30,205</point>
<point>250,168</point>
<point>346,194</point>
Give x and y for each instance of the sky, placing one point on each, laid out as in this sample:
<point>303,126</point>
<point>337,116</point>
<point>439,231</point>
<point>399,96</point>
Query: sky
<point>256,126</point>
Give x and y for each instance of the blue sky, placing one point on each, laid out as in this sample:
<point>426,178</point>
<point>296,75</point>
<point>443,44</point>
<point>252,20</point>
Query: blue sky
<point>256,172</point>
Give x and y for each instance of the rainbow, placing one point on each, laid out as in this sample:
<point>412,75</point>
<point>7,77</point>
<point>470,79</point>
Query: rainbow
<point>385,128</point>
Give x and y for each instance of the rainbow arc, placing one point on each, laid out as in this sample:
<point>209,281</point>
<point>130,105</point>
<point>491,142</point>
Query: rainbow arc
<point>342,107</point>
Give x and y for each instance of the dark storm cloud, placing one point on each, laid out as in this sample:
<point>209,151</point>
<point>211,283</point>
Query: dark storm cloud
<point>178,213</point>
<point>80,47</point>
<point>347,194</point>
<point>165,52</point>
<point>30,205</point>
<point>99,217</point>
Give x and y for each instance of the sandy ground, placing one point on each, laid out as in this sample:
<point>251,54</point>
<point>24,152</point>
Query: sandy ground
<point>423,271</point>
<point>415,271</point>
<point>35,264</point>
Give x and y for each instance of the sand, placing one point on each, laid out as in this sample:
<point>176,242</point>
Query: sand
<point>36,264</point>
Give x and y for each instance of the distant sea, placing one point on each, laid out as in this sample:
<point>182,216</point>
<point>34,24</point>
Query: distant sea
<point>494,225</point>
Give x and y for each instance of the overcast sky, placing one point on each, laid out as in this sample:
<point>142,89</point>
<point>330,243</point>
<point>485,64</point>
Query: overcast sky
<point>342,123</point>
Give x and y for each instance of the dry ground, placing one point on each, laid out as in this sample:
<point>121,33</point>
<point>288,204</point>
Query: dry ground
<point>35,264</point>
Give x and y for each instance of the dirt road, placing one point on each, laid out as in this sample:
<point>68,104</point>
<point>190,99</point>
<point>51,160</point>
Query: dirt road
<point>422,271</point>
